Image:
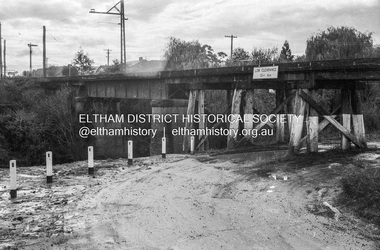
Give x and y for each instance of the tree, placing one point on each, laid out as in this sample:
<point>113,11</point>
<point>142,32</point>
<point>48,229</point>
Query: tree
<point>83,63</point>
<point>181,55</point>
<point>37,121</point>
<point>286,53</point>
<point>69,71</point>
<point>53,71</point>
<point>239,56</point>
<point>116,67</point>
<point>376,51</point>
<point>339,43</point>
<point>221,56</point>
<point>258,56</point>
<point>345,43</point>
<point>262,56</point>
<point>301,58</point>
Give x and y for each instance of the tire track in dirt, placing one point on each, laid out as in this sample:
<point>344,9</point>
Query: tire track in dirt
<point>192,205</point>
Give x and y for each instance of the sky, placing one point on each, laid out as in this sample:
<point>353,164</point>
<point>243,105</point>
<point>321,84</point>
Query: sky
<point>256,23</point>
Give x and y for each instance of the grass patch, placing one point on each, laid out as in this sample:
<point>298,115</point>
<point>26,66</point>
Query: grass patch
<point>361,193</point>
<point>301,161</point>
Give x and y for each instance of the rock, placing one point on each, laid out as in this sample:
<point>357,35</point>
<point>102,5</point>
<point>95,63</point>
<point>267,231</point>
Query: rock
<point>36,229</point>
<point>335,165</point>
<point>321,192</point>
<point>335,210</point>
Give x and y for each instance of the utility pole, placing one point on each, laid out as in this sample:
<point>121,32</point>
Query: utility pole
<point>108,56</point>
<point>232,43</point>
<point>5,58</point>
<point>1,57</point>
<point>44,50</point>
<point>115,10</point>
<point>30,45</point>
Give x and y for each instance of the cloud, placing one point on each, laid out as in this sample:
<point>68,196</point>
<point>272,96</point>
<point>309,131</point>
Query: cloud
<point>256,24</point>
<point>263,22</point>
<point>44,10</point>
<point>146,10</point>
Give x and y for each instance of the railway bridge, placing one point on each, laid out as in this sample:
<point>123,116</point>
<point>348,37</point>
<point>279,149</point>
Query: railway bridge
<point>295,86</point>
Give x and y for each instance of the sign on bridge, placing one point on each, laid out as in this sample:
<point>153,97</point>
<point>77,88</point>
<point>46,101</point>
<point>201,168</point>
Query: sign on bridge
<point>265,72</point>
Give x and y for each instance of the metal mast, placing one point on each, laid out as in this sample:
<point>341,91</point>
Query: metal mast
<point>1,57</point>
<point>118,10</point>
<point>108,56</point>
<point>122,32</point>
<point>30,45</point>
<point>232,43</point>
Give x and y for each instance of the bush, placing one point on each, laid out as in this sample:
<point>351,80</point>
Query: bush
<point>371,108</point>
<point>361,192</point>
<point>34,123</point>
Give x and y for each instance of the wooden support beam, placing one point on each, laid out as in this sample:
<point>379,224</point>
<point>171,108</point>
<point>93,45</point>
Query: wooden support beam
<point>188,123</point>
<point>275,111</point>
<point>280,126</point>
<point>289,108</point>
<point>346,116</point>
<point>357,118</point>
<point>336,124</point>
<point>228,99</point>
<point>201,111</point>
<point>278,108</point>
<point>313,126</point>
<point>255,111</point>
<point>297,124</point>
<point>248,112</point>
<point>204,138</point>
<point>322,125</point>
<point>234,126</point>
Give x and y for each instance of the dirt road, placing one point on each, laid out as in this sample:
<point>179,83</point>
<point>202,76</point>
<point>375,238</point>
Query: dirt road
<point>208,203</point>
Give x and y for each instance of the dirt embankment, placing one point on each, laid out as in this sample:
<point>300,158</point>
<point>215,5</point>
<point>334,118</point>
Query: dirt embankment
<point>185,202</point>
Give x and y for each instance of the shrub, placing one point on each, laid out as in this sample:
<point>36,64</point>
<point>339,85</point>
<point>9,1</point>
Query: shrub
<point>361,192</point>
<point>371,108</point>
<point>35,123</point>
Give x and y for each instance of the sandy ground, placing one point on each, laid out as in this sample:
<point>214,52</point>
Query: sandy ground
<point>200,202</point>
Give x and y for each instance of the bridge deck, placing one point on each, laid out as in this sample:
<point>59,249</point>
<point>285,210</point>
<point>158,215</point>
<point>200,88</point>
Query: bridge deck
<point>315,74</point>
<point>348,75</point>
<point>334,74</point>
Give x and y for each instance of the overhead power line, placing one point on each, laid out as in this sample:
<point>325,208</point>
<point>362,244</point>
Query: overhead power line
<point>118,9</point>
